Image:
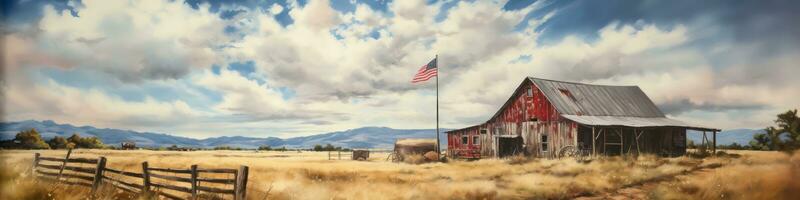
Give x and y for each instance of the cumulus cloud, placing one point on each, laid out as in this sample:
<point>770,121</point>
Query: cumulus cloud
<point>132,41</point>
<point>332,70</point>
<point>50,100</point>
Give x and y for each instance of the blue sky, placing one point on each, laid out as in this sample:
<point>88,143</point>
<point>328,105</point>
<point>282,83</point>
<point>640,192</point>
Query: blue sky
<point>291,68</point>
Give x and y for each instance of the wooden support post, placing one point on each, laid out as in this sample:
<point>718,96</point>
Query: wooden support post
<point>64,164</point>
<point>35,163</point>
<point>714,147</point>
<point>98,174</point>
<point>145,179</point>
<point>241,183</point>
<point>637,135</point>
<point>621,142</point>
<point>329,155</point>
<point>594,149</point>
<point>194,181</point>
<point>340,154</point>
<point>601,132</point>
<point>703,142</point>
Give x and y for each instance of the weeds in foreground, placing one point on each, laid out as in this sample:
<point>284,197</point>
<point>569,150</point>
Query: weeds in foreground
<point>741,175</point>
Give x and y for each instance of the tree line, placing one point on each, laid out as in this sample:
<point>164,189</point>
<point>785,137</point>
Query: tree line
<point>31,139</point>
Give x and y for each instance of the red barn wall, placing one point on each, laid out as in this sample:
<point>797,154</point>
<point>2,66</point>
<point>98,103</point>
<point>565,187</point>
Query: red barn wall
<point>525,116</point>
<point>456,147</point>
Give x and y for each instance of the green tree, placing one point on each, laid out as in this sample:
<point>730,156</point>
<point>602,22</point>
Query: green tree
<point>785,136</point>
<point>329,147</point>
<point>264,148</point>
<point>318,147</point>
<point>30,139</point>
<point>74,139</point>
<point>85,142</point>
<point>58,142</point>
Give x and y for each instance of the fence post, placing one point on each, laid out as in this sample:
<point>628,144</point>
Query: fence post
<point>64,164</point>
<point>194,181</point>
<point>145,179</point>
<point>241,183</point>
<point>35,162</point>
<point>98,174</point>
<point>340,154</point>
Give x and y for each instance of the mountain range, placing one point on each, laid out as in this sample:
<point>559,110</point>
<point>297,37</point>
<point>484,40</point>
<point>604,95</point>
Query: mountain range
<point>726,137</point>
<point>364,137</point>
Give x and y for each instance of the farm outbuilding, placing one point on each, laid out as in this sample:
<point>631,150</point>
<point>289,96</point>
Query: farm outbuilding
<point>548,118</point>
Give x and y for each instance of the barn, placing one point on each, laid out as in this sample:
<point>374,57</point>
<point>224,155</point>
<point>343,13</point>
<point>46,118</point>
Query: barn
<point>548,118</point>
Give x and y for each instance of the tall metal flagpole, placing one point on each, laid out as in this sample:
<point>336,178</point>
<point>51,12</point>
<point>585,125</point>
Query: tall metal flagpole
<point>438,149</point>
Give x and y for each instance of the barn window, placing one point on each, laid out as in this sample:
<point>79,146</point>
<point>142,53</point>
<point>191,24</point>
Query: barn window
<point>483,131</point>
<point>544,142</point>
<point>530,92</point>
<point>465,140</point>
<point>476,140</point>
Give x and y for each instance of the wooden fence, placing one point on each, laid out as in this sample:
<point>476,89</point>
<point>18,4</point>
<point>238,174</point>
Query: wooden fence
<point>338,155</point>
<point>54,168</point>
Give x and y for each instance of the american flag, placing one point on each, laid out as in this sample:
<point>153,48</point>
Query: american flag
<point>425,72</point>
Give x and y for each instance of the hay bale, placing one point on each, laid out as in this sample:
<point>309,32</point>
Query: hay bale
<point>418,146</point>
<point>431,156</point>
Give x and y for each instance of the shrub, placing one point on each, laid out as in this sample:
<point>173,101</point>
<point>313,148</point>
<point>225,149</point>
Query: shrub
<point>30,139</point>
<point>518,159</point>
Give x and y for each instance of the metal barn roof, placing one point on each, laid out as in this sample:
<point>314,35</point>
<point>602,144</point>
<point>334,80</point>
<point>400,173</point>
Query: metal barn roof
<point>638,122</point>
<point>597,100</point>
<point>603,105</point>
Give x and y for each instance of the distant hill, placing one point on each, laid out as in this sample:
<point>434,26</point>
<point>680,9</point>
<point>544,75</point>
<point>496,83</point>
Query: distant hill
<point>365,137</point>
<point>727,137</point>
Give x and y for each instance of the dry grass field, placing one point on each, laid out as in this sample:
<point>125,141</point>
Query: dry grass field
<point>309,175</point>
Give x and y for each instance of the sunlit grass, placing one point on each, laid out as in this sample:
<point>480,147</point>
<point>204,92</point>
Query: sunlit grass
<point>309,175</point>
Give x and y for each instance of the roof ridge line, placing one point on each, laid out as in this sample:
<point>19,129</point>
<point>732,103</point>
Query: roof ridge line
<point>579,83</point>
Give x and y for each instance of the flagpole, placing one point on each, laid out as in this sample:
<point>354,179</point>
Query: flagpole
<point>438,148</point>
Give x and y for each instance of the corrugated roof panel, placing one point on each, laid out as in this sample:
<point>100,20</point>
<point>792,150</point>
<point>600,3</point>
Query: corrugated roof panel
<point>597,100</point>
<point>633,121</point>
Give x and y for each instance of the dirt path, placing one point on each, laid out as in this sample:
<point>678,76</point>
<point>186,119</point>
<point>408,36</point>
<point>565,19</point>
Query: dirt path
<point>640,190</point>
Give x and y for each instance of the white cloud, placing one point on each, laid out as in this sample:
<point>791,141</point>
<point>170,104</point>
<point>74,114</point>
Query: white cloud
<point>275,9</point>
<point>52,101</point>
<point>343,77</point>
<point>133,41</point>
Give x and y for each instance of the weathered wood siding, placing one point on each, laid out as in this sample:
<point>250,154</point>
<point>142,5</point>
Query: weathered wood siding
<point>529,114</point>
<point>559,135</point>
<point>456,147</point>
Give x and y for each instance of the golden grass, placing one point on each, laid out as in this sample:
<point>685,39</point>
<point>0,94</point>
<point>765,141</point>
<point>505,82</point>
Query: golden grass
<point>309,175</point>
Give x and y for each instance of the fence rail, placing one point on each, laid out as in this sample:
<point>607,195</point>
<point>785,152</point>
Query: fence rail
<point>97,176</point>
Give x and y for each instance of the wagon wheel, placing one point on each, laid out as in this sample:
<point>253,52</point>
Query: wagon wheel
<point>568,151</point>
<point>394,157</point>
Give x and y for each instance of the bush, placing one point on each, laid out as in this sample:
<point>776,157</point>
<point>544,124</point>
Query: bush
<point>85,142</point>
<point>327,147</point>
<point>30,139</point>
<point>227,148</point>
<point>518,159</point>
<point>58,142</point>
